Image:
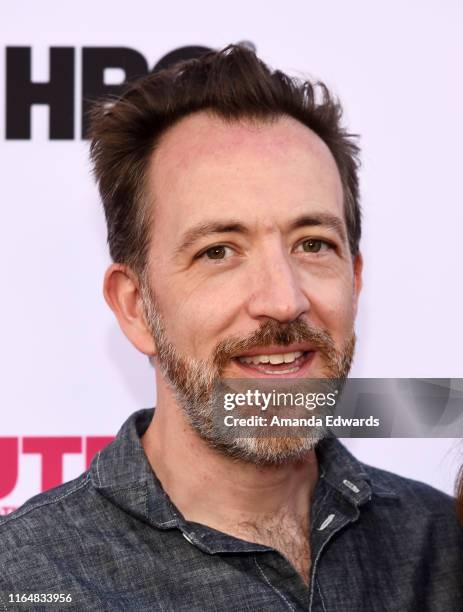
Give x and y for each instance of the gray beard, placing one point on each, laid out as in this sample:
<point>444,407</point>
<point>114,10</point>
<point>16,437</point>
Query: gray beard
<point>194,381</point>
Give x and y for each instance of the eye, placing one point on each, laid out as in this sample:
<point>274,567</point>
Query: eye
<point>216,252</point>
<point>315,245</point>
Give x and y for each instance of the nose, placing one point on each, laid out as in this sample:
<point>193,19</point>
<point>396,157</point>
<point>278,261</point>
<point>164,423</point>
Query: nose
<point>276,290</point>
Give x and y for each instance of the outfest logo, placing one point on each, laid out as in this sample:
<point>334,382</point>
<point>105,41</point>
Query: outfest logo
<point>52,450</point>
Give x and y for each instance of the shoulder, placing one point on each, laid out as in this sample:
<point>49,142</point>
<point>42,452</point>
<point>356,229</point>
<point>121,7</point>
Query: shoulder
<point>386,490</point>
<point>414,503</point>
<point>45,507</point>
<point>56,517</point>
<point>43,532</point>
<point>409,490</point>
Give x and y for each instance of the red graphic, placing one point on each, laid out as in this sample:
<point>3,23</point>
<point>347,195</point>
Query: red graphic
<point>52,450</point>
<point>9,459</point>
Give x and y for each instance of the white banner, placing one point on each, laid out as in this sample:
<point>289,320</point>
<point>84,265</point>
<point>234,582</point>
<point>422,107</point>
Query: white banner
<point>68,373</point>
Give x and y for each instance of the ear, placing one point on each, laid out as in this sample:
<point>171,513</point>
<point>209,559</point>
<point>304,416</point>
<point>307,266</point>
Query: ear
<point>358,279</point>
<point>122,294</point>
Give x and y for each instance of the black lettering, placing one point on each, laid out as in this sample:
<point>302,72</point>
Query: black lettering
<point>94,62</point>
<point>22,93</point>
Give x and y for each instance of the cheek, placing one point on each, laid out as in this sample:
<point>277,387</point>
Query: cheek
<point>196,319</point>
<point>332,307</point>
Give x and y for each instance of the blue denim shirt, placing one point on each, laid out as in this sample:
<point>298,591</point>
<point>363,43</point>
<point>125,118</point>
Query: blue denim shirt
<point>113,540</point>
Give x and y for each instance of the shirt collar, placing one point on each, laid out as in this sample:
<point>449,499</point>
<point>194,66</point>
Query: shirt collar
<point>351,478</point>
<point>121,472</point>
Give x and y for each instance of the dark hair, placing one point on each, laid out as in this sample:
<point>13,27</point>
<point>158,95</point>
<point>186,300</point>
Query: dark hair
<point>233,84</point>
<point>460,495</point>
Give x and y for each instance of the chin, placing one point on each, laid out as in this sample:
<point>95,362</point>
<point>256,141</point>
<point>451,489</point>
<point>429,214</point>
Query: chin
<point>266,451</point>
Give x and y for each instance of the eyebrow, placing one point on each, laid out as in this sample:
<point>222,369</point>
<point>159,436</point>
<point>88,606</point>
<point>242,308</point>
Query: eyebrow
<point>325,220</point>
<point>201,230</point>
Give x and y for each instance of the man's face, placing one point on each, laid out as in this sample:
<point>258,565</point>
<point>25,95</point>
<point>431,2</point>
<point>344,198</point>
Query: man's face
<point>250,273</point>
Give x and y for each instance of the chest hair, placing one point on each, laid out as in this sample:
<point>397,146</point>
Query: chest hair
<point>289,536</point>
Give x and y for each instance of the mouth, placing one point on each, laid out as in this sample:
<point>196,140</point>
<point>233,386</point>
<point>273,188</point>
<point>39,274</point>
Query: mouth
<point>275,363</point>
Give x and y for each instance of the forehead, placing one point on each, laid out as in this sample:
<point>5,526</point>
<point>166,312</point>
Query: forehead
<point>205,165</point>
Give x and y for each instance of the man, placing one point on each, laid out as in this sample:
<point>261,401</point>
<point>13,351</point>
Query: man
<point>231,199</point>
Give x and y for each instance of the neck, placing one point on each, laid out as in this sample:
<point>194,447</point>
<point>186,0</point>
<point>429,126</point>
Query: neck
<point>210,488</point>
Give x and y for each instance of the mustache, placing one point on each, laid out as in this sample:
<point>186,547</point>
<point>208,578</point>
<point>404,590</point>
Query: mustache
<point>273,332</point>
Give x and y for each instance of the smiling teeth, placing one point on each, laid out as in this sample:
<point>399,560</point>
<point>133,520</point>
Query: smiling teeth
<point>273,359</point>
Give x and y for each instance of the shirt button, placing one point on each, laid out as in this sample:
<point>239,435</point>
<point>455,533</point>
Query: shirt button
<point>326,522</point>
<point>187,538</point>
<point>350,485</point>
